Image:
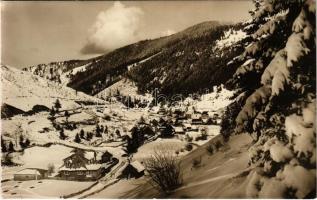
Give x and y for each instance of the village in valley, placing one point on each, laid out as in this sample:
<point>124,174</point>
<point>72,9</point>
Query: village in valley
<point>93,143</point>
<point>155,100</point>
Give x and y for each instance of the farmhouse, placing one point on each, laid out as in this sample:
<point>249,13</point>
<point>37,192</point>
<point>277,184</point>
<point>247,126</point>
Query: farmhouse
<point>79,166</point>
<point>162,111</point>
<point>194,128</point>
<point>205,115</point>
<point>179,130</point>
<point>187,127</point>
<point>133,170</point>
<point>30,174</point>
<point>196,119</point>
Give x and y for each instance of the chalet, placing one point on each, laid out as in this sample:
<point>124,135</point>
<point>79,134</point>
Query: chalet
<point>194,128</point>
<point>81,167</point>
<point>133,170</point>
<point>187,127</point>
<point>204,115</point>
<point>196,119</point>
<point>177,113</point>
<point>179,130</point>
<point>161,111</point>
<point>206,120</point>
<point>196,116</point>
<point>30,174</point>
<point>216,116</point>
<point>189,113</point>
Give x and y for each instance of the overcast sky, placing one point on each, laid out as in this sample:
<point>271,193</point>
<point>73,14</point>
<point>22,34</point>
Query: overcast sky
<point>42,32</point>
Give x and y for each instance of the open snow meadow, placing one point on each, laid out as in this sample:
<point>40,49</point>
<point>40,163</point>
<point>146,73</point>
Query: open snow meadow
<point>153,99</point>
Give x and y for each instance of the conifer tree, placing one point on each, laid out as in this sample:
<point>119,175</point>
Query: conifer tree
<point>277,82</point>
<point>77,139</point>
<point>11,147</point>
<point>3,146</point>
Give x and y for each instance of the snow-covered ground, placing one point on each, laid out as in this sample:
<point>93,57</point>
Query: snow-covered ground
<point>126,87</point>
<point>230,37</point>
<point>23,90</point>
<point>41,157</point>
<point>158,145</point>
<point>40,189</point>
<point>210,102</point>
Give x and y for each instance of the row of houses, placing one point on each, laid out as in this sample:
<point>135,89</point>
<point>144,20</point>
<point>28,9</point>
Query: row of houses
<point>178,116</point>
<point>83,167</point>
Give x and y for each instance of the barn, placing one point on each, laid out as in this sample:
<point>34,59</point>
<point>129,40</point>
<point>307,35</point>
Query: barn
<point>27,174</point>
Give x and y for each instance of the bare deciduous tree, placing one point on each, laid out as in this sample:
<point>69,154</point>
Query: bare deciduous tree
<point>50,168</point>
<point>164,170</point>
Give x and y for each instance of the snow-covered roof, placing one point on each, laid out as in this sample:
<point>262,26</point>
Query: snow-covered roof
<point>29,171</point>
<point>88,167</point>
<point>205,120</point>
<point>178,129</point>
<point>196,116</point>
<point>138,166</point>
<point>90,155</point>
<point>194,127</point>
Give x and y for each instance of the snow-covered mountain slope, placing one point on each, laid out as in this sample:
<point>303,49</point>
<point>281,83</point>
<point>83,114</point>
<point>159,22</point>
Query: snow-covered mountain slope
<point>60,72</point>
<point>24,90</point>
<point>124,87</point>
<point>172,64</point>
<point>230,38</point>
<point>214,101</point>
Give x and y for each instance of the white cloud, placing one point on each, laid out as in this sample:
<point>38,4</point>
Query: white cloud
<point>113,28</point>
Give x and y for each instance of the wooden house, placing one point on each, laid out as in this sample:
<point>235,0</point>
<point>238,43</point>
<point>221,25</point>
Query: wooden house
<point>196,119</point>
<point>204,115</point>
<point>189,113</point>
<point>187,127</point>
<point>177,112</point>
<point>161,111</point>
<point>80,167</point>
<point>133,170</point>
<point>179,130</point>
<point>195,128</point>
<point>30,174</point>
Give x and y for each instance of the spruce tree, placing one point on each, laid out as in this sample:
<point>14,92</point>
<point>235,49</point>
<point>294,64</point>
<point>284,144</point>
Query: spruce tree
<point>57,105</point>
<point>3,146</point>
<point>21,142</point>
<point>98,131</point>
<point>277,82</point>
<point>11,147</point>
<point>82,134</point>
<point>77,139</point>
<point>62,135</point>
<point>67,115</point>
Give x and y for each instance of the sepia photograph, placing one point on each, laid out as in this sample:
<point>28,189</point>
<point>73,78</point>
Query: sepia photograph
<point>211,99</point>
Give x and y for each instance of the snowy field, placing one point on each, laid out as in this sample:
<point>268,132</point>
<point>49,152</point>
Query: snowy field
<point>41,188</point>
<point>146,150</point>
